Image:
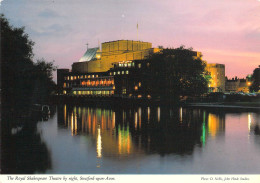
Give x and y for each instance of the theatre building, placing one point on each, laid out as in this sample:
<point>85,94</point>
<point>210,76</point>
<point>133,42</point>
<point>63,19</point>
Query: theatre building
<point>119,69</point>
<point>108,71</point>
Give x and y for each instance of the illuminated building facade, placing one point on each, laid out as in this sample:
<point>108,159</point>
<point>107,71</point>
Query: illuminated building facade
<point>95,60</point>
<point>121,69</point>
<point>238,85</point>
<point>217,73</point>
<point>98,84</point>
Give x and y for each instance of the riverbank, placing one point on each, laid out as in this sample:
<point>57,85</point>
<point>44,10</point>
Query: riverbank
<point>227,105</point>
<point>123,102</point>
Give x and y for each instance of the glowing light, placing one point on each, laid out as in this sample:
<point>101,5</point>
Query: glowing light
<point>148,113</point>
<point>65,114</point>
<point>140,117</point>
<point>159,113</point>
<point>113,119</point>
<point>213,124</point>
<point>99,143</point>
<point>72,124</point>
<point>135,120</point>
<point>203,136</point>
<point>249,121</point>
<point>181,114</point>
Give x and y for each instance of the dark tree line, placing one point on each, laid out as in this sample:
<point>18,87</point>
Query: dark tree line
<point>22,80</point>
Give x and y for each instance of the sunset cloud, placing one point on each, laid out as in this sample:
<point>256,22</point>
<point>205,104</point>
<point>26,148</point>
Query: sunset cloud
<point>225,31</point>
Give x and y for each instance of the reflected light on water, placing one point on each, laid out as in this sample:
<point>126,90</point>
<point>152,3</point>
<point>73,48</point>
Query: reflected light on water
<point>213,124</point>
<point>99,143</point>
<point>140,117</point>
<point>113,120</point>
<point>65,114</point>
<point>158,112</point>
<point>203,136</point>
<point>181,114</point>
<point>135,120</point>
<point>124,140</point>
<point>148,114</point>
<point>72,123</point>
<point>249,121</point>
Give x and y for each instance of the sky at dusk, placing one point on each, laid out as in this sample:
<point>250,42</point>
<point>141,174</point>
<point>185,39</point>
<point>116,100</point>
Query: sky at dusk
<point>225,31</point>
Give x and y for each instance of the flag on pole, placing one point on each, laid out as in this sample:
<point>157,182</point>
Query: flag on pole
<point>137,26</point>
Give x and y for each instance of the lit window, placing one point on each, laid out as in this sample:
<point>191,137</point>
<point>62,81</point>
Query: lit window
<point>129,64</point>
<point>88,76</point>
<point>125,65</point>
<point>110,73</point>
<point>71,77</point>
<point>127,72</point>
<point>123,72</point>
<point>139,84</point>
<point>118,72</point>
<point>114,73</point>
<point>120,65</point>
<point>97,83</point>
<point>136,87</point>
<point>124,91</point>
<point>93,76</point>
<point>133,64</point>
<point>139,96</point>
<point>139,65</point>
<point>96,75</point>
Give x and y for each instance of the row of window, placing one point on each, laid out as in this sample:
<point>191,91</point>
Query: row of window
<point>101,82</point>
<point>127,64</point>
<point>107,92</point>
<point>118,73</point>
<point>80,77</point>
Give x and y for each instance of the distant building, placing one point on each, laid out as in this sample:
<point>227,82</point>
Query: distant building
<point>217,73</point>
<point>238,85</point>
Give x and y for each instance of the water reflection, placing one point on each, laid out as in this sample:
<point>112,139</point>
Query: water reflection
<point>22,149</point>
<point>122,132</point>
<point>253,123</point>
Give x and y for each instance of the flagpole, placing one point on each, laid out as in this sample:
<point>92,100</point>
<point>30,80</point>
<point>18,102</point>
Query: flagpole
<point>137,30</point>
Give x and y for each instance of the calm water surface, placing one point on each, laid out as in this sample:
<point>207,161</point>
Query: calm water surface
<point>148,140</point>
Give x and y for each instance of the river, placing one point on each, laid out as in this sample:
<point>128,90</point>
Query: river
<point>137,140</point>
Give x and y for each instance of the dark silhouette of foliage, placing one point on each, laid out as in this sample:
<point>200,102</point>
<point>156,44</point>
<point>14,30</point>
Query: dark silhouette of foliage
<point>256,80</point>
<point>178,72</point>
<point>20,76</point>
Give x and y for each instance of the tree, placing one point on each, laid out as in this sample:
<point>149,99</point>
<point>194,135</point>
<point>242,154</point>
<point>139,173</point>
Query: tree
<point>19,72</point>
<point>178,72</point>
<point>256,80</point>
